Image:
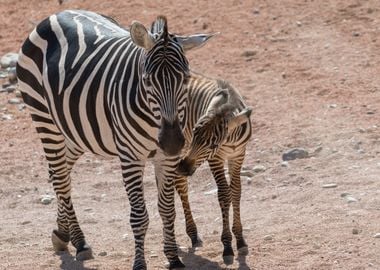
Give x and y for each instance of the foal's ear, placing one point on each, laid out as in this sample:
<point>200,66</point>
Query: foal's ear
<point>218,100</point>
<point>239,119</point>
<point>141,36</point>
<point>194,41</point>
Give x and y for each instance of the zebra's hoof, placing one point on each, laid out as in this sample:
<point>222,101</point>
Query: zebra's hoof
<point>228,259</point>
<point>196,242</point>
<point>60,240</point>
<point>176,264</point>
<point>228,255</point>
<point>84,254</point>
<point>243,251</point>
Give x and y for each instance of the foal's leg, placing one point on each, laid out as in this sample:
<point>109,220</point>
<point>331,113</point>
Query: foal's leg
<point>191,228</point>
<point>234,167</point>
<point>224,197</point>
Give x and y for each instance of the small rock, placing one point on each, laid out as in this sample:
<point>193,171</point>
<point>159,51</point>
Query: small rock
<point>249,53</point>
<point>296,153</point>
<point>153,255</point>
<point>259,169</point>
<point>283,75</point>
<point>14,101</point>
<point>7,117</point>
<point>47,199</point>
<point>333,106</point>
<point>331,185</point>
<point>299,23</point>
<point>26,222</point>
<point>256,11</point>
<point>355,34</point>
<point>18,93</point>
<point>103,253</point>
<point>247,173</point>
<point>12,76</point>
<point>249,181</point>
<point>210,192</point>
<point>284,164</point>
<point>21,107</point>
<point>268,237</point>
<point>125,236</point>
<point>204,26</point>
<point>351,199</point>
<point>9,60</point>
<point>355,231</point>
<point>377,235</point>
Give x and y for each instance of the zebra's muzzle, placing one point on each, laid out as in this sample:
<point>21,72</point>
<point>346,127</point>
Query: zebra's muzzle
<point>170,138</point>
<point>185,167</point>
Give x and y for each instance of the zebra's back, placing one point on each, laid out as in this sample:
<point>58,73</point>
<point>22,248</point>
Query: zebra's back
<point>80,60</point>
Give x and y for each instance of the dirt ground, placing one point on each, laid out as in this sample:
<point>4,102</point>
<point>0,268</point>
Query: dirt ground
<point>311,72</point>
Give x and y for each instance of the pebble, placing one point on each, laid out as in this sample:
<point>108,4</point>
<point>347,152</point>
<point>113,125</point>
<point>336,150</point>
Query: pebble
<point>299,23</point>
<point>284,164</point>
<point>249,53</point>
<point>21,107</point>
<point>14,101</point>
<point>249,181</point>
<point>12,76</point>
<point>47,199</point>
<point>268,237</point>
<point>103,253</point>
<point>377,235</point>
<point>295,153</point>
<point>9,60</point>
<point>331,185</point>
<point>355,231</point>
<point>259,168</point>
<point>247,173</point>
<point>125,236</point>
<point>210,192</point>
<point>26,222</point>
<point>7,117</point>
<point>351,199</point>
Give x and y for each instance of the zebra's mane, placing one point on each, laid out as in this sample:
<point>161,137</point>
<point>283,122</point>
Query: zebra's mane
<point>159,28</point>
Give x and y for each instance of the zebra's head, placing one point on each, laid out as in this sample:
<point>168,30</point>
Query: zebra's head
<point>211,132</point>
<point>164,76</point>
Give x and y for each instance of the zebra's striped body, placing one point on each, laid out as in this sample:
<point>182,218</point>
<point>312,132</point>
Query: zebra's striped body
<point>94,86</point>
<point>218,130</point>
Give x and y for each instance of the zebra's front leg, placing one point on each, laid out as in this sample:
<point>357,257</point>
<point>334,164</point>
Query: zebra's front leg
<point>191,228</point>
<point>165,184</point>
<point>139,219</point>
<point>224,197</point>
<point>234,167</point>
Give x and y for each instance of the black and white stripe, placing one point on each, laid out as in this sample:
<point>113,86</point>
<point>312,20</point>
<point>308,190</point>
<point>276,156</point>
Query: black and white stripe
<point>218,130</point>
<point>92,85</point>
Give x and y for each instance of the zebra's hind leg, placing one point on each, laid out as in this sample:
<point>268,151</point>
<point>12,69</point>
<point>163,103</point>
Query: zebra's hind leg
<point>234,171</point>
<point>191,228</point>
<point>61,160</point>
<point>224,197</point>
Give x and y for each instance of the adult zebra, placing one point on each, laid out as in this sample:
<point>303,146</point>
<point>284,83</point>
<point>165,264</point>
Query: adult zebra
<point>218,129</point>
<point>92,85</point>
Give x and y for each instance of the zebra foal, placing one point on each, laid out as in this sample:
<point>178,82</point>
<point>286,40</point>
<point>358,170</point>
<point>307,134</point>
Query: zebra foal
<point>93,86</point>
<point>218,129</point>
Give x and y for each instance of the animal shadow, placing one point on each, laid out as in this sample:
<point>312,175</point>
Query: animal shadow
<point>197,262</point>
<point>69,262</point>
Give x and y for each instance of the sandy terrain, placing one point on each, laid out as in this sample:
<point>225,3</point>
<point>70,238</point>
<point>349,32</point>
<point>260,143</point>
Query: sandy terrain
<point>311,72</point>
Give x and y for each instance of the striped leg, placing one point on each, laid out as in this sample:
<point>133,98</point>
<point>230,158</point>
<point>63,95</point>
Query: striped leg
<point>139,219</point>
<point>164,171</point>
<point>60,160</point>
<point>234,167</point>
<point>191,228</point>
<point>224,197</point>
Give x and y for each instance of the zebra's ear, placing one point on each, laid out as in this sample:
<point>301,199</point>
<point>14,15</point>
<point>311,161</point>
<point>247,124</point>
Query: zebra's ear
<point>194,41</point>
<point>141,36</point>
<point>239,119</point>
<point>218,100</point>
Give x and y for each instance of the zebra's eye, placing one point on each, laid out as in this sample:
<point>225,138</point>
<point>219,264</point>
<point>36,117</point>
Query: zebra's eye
<point>214,145</point>
<point>147,81</point>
